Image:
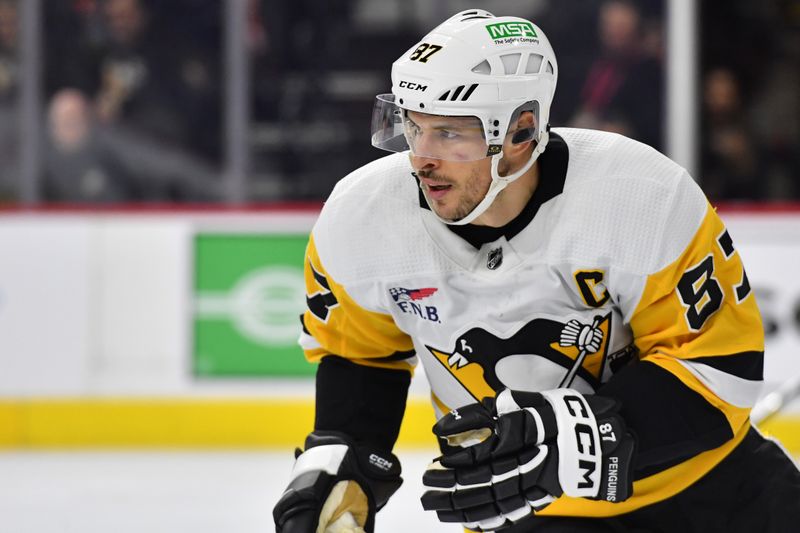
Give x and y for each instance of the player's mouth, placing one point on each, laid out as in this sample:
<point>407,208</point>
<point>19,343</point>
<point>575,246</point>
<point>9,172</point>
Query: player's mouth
<point>437,190</point>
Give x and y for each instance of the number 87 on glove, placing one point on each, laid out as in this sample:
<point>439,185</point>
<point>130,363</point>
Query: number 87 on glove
<point>515,454</point>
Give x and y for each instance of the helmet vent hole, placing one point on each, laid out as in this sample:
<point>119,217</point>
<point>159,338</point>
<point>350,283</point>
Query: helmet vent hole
<point>510,63</point>
<point>445,95</point>
<point>482,68</point>
<point>534,64</point>
<point>472,14</point>
<point>457,92</point>
<point>401,100</point>
<point>549,67</point>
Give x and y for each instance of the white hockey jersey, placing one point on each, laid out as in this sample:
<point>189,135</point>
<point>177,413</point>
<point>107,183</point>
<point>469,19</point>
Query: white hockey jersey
<point>623,259</point>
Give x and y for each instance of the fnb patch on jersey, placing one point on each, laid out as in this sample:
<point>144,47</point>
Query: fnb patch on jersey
<point>400,293</point>
<point>406,302</point>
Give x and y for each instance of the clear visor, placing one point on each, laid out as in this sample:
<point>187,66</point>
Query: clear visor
<point>451,138</point>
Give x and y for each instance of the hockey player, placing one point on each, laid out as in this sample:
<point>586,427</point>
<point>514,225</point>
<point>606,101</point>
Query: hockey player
<point>591,341</point>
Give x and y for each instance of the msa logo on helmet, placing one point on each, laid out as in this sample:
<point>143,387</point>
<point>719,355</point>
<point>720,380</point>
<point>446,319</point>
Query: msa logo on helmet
<point>412,86</point>
<point>508,32</point>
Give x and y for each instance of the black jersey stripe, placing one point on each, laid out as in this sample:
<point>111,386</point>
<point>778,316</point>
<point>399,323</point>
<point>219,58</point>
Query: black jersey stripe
<point>322,280</point>
<point>745,365</point>
<point>726,244</point>
<point>396,356</point>
<point>672,422</point>
<point>303,323</point>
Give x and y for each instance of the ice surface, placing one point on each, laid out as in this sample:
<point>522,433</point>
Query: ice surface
<point>171,492</point>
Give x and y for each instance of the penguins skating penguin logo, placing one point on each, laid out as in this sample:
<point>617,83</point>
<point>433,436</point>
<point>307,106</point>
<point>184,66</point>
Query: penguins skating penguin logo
<point>542,354</point>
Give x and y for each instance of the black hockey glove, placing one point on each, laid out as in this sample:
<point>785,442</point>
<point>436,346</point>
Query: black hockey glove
<point>516,453</point>
<point>336,487</point>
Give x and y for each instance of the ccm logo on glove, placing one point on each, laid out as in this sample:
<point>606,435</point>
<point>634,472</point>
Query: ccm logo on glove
<point>379,462</point>
<point>588,459</point>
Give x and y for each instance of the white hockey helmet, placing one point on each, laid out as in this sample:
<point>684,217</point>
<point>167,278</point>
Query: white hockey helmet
<point>472,65</point>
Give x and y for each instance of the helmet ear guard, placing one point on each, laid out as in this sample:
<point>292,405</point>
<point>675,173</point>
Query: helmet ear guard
<point>525,134</point>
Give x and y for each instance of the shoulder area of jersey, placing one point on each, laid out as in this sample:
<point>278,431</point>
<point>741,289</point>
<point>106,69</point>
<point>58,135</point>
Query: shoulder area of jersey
<point>370,227</point>
<point>618,198</point>
<point>383,191</point>
<point>383,177</point>
<point>602,155</point>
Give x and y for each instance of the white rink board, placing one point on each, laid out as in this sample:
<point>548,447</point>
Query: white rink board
<point>45,305</point>
<point>98,303</point>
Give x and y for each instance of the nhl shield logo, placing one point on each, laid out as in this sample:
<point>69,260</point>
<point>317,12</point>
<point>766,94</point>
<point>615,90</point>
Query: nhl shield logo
<point>495,259</point>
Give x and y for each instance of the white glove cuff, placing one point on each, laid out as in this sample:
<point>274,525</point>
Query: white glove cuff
<point>580,456</point>
<point>327,458</point>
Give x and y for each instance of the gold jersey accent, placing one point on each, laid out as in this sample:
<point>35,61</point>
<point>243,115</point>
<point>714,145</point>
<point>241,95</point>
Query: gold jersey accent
<point>664,335</point>
<point>364,337</point>
<point>734,327</point>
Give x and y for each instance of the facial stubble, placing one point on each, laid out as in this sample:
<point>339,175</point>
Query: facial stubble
<point>470,193</point>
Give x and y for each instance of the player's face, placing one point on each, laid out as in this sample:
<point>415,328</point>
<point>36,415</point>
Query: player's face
<point>452,188</point>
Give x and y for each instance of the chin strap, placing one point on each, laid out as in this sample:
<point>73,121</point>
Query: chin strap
<point>499,182</point>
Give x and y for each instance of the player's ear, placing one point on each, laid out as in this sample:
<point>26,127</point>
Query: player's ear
<point>521,134</point>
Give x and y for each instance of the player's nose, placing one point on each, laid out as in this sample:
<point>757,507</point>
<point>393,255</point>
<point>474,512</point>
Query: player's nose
<point>424,163</point>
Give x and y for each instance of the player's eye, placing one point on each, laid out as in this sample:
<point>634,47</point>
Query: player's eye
<point>448,135</point>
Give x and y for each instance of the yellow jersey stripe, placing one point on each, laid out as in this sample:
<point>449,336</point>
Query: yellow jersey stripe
<point>342,327</point>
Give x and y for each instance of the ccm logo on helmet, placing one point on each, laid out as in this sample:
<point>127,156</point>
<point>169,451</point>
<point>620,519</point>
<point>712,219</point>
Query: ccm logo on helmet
<point>412,86</point>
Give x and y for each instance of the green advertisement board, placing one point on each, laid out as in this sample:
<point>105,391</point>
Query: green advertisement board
<point>248,297</point>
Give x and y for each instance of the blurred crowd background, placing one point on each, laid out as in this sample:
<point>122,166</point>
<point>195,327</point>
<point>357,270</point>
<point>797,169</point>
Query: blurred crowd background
<point>131,98</point>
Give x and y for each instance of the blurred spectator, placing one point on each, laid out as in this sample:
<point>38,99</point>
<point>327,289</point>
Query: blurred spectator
<point>315,74</point>
<point>751,114</point>
<point>9,29</point>
<point>151,72</point>
<point>9,79</point>
<point>776,122</point>
<point>90,163</point>
<point>623,89</point>
<point>732,166</point>
<point>79,167</point>
<point>143,69</point>
<point>137,75</point>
